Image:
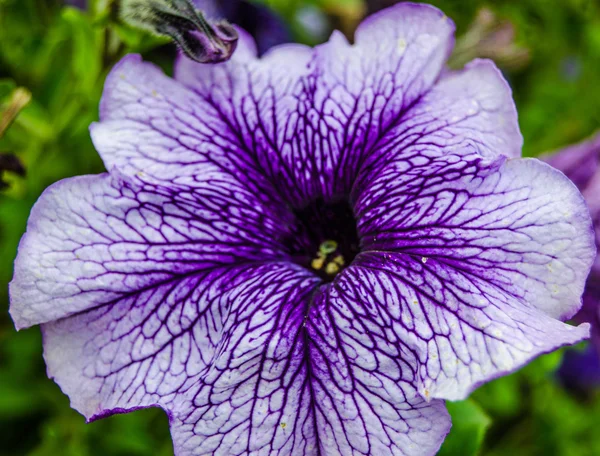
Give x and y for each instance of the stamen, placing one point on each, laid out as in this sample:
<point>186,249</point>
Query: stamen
<point>325,238</point>
<point>332,268</point>
<point>328,258</point>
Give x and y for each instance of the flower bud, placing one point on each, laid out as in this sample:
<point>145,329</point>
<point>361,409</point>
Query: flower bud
<point>199,39</point>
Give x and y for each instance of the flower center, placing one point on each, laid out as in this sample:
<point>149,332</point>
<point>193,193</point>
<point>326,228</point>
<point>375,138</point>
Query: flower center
<point>328,259</point>
<point>324,239</point>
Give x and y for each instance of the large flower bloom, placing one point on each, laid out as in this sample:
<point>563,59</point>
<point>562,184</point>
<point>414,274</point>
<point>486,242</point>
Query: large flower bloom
<point>306,253</point>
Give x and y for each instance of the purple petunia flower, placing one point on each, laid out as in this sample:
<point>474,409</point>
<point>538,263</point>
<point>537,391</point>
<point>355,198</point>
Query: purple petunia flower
<point>580,370</point>
<point>306,253</point>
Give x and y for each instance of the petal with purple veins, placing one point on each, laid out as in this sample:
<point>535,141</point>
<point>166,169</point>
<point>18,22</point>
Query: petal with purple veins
<point>366,87</point>
<point>460,327</point>
<point>245,359</point>
<point>473,261</point>
<point>363,383</point>
<point>468,111</point>
<point>309,390</point>
<point>91,239</point>
<point>317,112</point>
<point>154,130</point>
<point>495,219</point>
<point>268,103</point>
<point>151,346</point>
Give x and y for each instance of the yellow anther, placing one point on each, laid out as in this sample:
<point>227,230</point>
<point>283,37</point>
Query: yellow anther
<point>332,268</point>
<point>317,263</point>
<point>328,259</point>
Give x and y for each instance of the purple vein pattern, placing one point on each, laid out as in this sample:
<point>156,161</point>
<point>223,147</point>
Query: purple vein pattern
<point>197,275</point>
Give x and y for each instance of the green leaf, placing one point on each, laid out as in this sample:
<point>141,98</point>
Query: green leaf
<point>6,88</point>
<point>86,57</point>
<point>469,424</point>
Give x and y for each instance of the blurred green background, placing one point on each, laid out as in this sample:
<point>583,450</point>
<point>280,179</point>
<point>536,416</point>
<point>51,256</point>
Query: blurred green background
<point>62,54</point>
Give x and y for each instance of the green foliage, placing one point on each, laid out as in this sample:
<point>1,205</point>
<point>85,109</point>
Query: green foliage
<point>469,424</point>
<point>542,418</point>
<point>62,55</point>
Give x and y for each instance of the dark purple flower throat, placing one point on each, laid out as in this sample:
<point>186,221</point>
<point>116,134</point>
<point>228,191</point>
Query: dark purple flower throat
<point>324,239</point>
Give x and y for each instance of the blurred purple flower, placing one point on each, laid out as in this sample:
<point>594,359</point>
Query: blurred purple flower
<point>374,6</point>
<point>306,253</point>
<point>580,370</point>
<point>81,4</point>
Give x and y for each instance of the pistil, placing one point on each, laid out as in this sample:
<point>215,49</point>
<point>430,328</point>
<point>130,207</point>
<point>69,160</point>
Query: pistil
<point>328,259</point>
